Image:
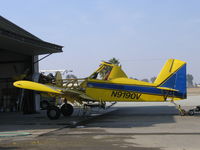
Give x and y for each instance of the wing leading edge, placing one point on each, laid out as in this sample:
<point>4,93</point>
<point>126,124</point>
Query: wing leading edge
<point>37,87</point>
<point>65,92</point>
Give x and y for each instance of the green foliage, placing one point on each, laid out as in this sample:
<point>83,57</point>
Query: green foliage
<point>153,79</point>
<point>145,80</point>
<point>114,61</point>
<point>71,76</point>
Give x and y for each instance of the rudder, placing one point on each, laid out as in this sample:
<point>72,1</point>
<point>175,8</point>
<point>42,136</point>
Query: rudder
<point>173,75</point>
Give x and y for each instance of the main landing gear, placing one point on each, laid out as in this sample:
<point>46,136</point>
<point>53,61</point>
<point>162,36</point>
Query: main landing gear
<point>54,112</point>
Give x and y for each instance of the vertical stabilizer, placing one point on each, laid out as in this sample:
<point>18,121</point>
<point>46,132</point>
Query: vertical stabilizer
<point>173,75</point>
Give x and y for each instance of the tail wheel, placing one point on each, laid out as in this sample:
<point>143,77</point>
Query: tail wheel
<point>67,109</point>
<point>53,112</point>
<point>197,108</point>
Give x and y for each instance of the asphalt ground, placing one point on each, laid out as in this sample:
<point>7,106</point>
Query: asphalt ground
<point>140,126</point>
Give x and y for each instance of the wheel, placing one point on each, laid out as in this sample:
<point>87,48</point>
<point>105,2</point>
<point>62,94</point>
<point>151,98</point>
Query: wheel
<point>53,112</point>
<point>44,105</point>
<point>67,109</point>
<point>191,112</point>
<point>197,108</point>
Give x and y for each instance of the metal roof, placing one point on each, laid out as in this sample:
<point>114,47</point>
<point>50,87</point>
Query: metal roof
<point>14,38</point>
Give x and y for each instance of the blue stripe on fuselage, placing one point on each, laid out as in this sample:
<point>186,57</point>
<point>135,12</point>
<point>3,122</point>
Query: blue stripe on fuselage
<point>134,88</point>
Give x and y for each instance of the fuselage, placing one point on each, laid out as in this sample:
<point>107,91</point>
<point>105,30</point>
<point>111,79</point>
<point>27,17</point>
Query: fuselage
<point>125,90</point>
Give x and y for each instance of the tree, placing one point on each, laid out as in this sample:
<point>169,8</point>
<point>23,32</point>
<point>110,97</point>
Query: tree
<point>133,78</point>
<point>153,79</point>
<point>114,61</point>
<point>71,76</point>
<point>190,80</point>
<point>145,80</point>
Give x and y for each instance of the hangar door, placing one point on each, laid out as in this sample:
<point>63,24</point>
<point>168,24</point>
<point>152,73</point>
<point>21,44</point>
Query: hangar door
<point>13,66</point>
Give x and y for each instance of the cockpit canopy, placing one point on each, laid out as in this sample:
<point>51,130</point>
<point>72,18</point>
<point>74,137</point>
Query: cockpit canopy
<point>108,71</point>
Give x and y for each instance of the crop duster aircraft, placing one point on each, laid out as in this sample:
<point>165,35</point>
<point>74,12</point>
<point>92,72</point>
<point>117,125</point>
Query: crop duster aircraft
<point>109,83</point>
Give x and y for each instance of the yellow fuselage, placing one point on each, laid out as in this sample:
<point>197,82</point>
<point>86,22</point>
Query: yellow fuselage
<point>122,89</point>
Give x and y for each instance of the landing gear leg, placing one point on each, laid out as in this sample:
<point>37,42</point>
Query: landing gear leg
<point>180,109</point>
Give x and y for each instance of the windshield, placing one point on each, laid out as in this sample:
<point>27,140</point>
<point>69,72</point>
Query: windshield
<point>102,73</point>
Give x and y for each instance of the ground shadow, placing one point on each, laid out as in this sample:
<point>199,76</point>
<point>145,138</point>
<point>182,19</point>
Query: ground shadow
<point>138,116</point>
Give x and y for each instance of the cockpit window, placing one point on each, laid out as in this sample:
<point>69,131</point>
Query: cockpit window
<point>102,74</point>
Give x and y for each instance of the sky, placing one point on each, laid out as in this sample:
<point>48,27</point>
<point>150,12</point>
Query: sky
<point>141,34</point>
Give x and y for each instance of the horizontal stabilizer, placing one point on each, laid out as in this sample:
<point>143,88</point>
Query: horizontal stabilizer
<point>167,89</point>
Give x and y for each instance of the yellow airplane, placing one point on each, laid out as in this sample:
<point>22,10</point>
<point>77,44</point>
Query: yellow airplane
<point>109,83</point>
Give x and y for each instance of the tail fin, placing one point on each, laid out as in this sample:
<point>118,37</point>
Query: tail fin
<point>173,75</point>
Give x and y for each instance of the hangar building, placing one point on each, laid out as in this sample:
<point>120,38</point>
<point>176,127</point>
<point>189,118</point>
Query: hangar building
<point>19,52</point>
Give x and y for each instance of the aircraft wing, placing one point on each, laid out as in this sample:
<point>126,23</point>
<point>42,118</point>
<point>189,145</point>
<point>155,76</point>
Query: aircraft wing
<point>72,95</point>
<point>45,88</point>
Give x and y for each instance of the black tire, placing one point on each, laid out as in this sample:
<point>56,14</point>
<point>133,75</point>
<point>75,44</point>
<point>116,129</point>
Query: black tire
<point>44,105</point>
<point>197,108</point>
<point>53,112</point>
<point>191,112</point>
<point>67,109</point>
